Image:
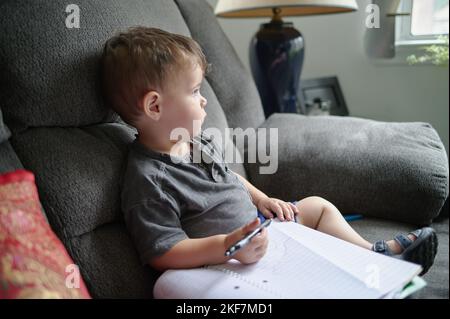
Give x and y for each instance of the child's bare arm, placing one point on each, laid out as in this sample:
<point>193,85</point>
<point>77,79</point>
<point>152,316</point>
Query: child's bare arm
<point>267,205</point>
<point>191,253</point>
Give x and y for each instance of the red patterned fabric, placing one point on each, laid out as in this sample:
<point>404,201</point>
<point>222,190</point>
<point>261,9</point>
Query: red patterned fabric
<point>33,262</point>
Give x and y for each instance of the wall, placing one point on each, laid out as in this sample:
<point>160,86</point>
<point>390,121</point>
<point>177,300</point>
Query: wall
<point>385,91</point>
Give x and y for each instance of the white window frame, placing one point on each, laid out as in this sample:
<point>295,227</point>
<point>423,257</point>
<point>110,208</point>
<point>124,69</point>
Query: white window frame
<point>403,34</point>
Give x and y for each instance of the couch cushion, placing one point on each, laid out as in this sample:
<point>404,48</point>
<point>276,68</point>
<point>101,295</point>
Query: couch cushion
<point>50,72</point>
<point>78,173</point>
<point>110,265</point>
<point>395,171</point>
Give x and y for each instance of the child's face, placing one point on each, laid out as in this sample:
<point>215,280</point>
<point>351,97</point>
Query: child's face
<point>183,103</point>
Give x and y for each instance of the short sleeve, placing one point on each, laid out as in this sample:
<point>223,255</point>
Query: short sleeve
<point>154,226</point>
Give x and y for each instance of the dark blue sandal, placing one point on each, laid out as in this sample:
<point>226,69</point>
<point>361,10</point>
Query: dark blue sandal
<point>382,247</point>
<point>420,251</point>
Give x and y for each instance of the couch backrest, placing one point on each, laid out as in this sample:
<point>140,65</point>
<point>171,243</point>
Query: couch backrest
<point>62,131</point>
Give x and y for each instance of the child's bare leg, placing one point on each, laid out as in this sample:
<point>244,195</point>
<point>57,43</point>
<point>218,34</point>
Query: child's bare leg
<point>319,214</point>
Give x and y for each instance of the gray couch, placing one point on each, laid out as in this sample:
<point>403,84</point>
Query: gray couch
<point>56,125</point>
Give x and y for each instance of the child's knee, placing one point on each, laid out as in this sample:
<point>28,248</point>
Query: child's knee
<point>315,201</point>
<point>314,207</point>
<point>311,208</point>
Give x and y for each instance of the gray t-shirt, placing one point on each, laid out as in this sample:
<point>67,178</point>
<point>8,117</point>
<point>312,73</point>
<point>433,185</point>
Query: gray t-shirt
<point>166,202</point>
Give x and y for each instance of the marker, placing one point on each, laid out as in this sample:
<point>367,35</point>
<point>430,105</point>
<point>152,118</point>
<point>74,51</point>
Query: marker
<point>246,240</point>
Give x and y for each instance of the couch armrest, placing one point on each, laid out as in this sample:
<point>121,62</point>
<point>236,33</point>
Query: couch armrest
<point>397,171</point>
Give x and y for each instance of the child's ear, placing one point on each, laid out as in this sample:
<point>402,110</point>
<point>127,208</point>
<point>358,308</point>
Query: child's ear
<point>151,105</point>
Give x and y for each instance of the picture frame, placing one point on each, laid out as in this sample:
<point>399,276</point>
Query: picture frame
<point>321,96</point>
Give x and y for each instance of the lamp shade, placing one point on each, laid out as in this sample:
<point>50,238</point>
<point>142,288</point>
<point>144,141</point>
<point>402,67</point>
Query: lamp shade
<point>263,8</point>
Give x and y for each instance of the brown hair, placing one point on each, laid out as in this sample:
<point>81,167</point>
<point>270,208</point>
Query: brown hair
<point>140,60</point>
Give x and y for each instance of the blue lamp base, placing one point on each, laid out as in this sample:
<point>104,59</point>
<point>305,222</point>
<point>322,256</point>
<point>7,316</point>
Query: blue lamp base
<point>276,60</point>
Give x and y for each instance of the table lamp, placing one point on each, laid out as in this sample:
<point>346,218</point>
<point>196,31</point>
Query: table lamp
<point>277,49</point>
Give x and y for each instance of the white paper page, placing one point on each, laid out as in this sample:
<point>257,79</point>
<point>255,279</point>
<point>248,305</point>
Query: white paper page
<point>373,269</point>
<point>288,270</point>
<point>204,283</point>
<point>295,271</point>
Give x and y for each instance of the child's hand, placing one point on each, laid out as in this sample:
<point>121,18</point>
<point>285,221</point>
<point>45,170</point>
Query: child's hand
<point>253,251</point>
<point>283,210</point>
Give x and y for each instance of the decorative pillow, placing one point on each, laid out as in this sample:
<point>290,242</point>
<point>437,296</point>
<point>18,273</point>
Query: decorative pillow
<point>33,262</point>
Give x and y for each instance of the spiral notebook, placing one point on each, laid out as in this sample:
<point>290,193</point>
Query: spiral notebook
<point>300,263</point>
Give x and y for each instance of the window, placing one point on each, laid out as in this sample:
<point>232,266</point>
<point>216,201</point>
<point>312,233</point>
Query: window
<point>427,20</point>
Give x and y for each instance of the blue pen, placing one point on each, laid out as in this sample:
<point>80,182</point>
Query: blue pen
<point>246,240</point>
